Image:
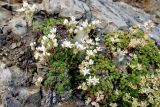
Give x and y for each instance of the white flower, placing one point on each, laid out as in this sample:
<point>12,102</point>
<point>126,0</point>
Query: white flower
<point>42,48</point>
<point>95,104</point>
<point>85,24</point>
<point>79,46</point>
<point>90,53</point>
<point>80,28</point>
<point>33,45</point>
<point>21,10</point>
<point>89,41</point>
<point>70,30</point>
<point>53,30</point>
<point>65,22</point>
<point>73,18</point>
<point>44,38</point>
<point>88,100</point>
<point>113,104</point>
<point>95,51</point>
<point>95,22</point>
<point>67,44</point>
<point>89,80</point>
<point>91,62</point>
<point>85,71</point>
<point>83,86</point>
<point>93,80</point>
<point>40,79</point>
<point>25,4</point>
<point>37,55</point>
<point>55,42</point>
<point>51,36</point>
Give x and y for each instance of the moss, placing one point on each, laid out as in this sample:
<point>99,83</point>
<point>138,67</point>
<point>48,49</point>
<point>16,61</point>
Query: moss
<point>117,39</point>
<point>47,24</point>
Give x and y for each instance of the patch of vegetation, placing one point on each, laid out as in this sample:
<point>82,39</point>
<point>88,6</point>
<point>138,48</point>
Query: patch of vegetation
<point>124,73</point>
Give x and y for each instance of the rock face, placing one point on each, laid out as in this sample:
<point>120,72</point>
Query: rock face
<point>17,65</point>
<point>112,15</point>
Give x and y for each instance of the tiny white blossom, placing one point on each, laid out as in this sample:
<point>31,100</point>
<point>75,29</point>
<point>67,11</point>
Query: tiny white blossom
<point>79,46</point>
<point>95,50</point>
<point>33,45</point>
<point>95,104</point>
<point>53,30</point>
<point>85,71</point>
<point>89,41</point>
<point>95,22</point>
<point>51,36</point>
<point>65,22</point>
<point>91,62</point>
<point>25,4</point>
<point>36,55</point>
<point>89,80</point>
<point>21,9</point>
<point>85,24</point>
<point>88,101</point>
<point>67,44</point>
<point>90,53</point>
<point>44,38</point>
<point>73,18</point>
<point>42,48</point>
<point>95,80</point>
<point>40,79</point>
<point>80,28</point>
<point>55,42</point>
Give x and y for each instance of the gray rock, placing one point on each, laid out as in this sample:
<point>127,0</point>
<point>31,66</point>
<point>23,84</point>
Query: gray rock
<point>155,34</point>
<point>18,26</point>
<point>5,77</point>
<point>30,96</point>
<point>112,15</point>
<point>13,45</point>
<point>9,102</point>
<point>2,40</point>
<point>66,8</point>
<point>5,15</point>
<point>47,102</point>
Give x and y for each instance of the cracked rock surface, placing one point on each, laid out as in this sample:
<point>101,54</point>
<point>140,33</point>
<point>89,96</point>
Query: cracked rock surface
<point>17,64</point>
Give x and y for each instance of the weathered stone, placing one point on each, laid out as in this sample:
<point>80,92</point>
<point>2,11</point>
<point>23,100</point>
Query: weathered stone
<point>10,102</point>
<point>5,15</point>
<point>18,26</point>
<point>112,15</point>
<point>5,77</point>
<point>66,7</point>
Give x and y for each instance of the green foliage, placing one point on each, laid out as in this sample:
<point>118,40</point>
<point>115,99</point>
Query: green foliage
<point>47,24</point>
<point>58,78</point>
<point>126,74</point>
<point>117,39</point>
<point>122,84</point>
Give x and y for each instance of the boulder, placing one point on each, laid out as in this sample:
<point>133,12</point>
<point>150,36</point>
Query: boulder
<point>5,15</point>
<point>113,15</point>
<point>18,26</point>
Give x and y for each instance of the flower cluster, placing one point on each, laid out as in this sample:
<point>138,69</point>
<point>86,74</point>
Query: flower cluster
<point>27,10</point>
<point>123,75</point>
<point>47,43</point>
